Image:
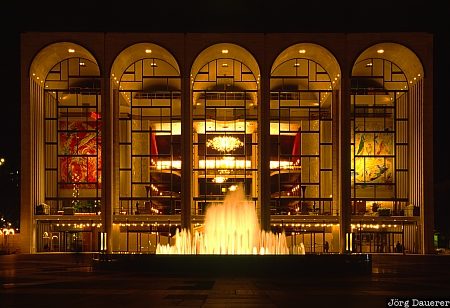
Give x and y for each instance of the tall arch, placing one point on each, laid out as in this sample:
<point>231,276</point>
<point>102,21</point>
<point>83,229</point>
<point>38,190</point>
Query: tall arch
<point>386,140</point>
<point>304,80</point>
<point>225,97</point>
<point>146,87</point>
<point>66,147</point>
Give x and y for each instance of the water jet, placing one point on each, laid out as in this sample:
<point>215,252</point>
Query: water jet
<point>230,228</point>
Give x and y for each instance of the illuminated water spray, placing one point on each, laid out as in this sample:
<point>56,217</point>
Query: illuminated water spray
<point>232,228</point>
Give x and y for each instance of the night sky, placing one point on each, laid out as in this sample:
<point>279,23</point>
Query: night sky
<point>222,16</point>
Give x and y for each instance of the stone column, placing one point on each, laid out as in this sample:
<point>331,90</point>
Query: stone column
<point>264,143</point>
<point>186,150</point>
<point>107,205</point>
<point>344,200</point>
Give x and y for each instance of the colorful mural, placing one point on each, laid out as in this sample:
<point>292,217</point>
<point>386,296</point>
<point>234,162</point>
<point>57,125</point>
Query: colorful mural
<point>368,167</point>
<point>80,138</point>
<point>373,170</point>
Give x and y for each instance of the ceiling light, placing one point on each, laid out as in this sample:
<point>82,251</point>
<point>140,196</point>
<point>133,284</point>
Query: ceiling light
<point>224,143</point>
<point>71,50</point>
<point>380,50</point>
<point>302,51</point>
<point>224,65</point>
<point>297,64</point>
<point>148,51</point>
<point>219,179</point>
<point>224,50</point>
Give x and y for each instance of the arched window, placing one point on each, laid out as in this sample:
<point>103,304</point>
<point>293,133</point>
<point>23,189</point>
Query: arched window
<point>301,131</point>
<point>72,137</point>
<point>149,136</point>
<point>225,123</point>
<point>381,119</point>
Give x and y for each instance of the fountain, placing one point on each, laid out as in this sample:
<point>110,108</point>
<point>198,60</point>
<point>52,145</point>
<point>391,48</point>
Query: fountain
<point>230,228</point>
<point>230,243</point>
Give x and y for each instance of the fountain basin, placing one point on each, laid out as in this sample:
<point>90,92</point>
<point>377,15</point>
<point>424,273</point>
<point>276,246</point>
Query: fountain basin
<point>237,265</point>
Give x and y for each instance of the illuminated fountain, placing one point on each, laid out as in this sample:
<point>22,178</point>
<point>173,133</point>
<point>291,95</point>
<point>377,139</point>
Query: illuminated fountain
<point>230,228</point>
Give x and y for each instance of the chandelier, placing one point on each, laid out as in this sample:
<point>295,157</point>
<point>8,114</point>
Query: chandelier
<point>224,143</point>
<point>220,179</point>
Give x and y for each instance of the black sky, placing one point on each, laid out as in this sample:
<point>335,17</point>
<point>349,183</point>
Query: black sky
<point>225,16</point>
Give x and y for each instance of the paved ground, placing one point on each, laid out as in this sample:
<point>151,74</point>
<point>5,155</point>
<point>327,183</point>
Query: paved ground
<point>64,280</point>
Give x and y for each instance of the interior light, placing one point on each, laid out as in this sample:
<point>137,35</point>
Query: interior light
<point>297,64</point>
<point>232,188</point>
<point>302,51</point>
<point>380,50</point>
<point>148,51</point>
<point>224,50</point>
<point>219,179</point>
<point>224,143</point>
<point>71,50</point>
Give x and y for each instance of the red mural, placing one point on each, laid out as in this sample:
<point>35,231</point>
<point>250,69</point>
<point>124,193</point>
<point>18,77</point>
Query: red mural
<point>80,145</point>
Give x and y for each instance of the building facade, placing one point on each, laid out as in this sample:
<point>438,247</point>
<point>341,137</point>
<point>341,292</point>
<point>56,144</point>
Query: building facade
<point>127,137</point>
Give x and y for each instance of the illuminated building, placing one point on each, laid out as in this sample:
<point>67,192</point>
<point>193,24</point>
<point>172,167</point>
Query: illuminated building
<point>133,135</point>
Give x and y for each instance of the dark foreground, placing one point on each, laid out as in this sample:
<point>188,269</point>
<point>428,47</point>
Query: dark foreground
<point>66,280</point>
<point>289,266</point>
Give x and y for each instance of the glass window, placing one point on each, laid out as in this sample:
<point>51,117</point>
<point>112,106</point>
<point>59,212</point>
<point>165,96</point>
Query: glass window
<point>301,138</point>
<point>149,101</point>
<point>73,141</point>
<point>379,137</point>
<point>225,132</point>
